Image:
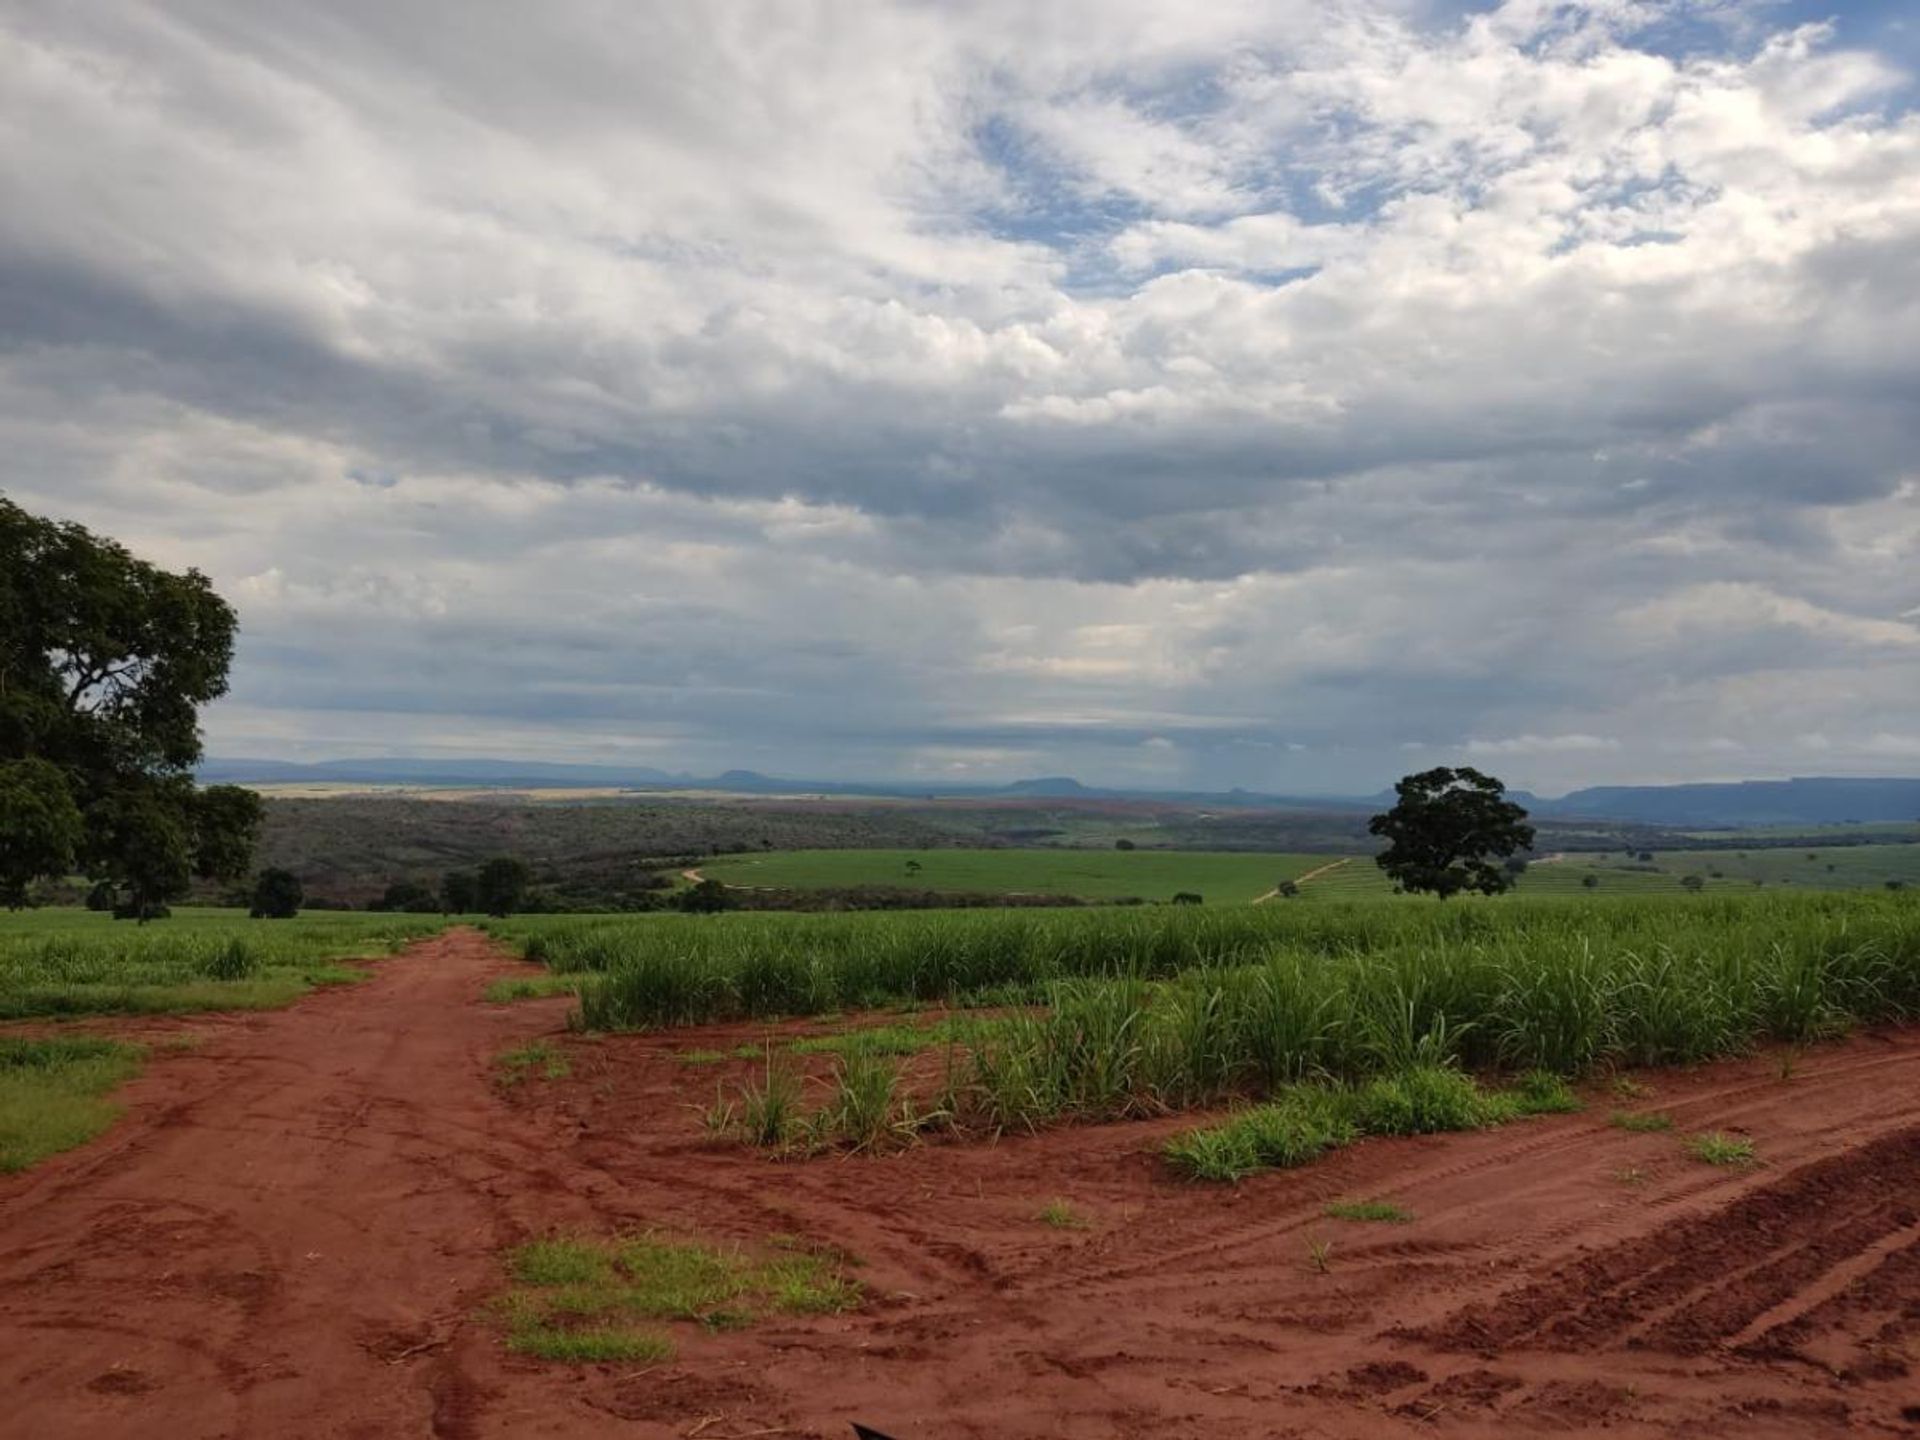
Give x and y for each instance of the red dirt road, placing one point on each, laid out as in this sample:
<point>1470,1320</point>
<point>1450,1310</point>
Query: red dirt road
<point>290,1231</point>
<point>296,1229</point>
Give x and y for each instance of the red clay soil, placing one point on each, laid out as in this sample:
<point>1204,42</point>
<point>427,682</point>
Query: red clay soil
<point>296,1230</point>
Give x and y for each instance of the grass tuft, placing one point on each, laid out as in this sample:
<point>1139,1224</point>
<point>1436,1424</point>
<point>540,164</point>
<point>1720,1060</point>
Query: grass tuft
<point>1377,1211</point>
<point>1061,1216</point>
<point>1718,1148</point>
<point>541,1058</point>
<point>1541,1092</point>
<point>530,987</point>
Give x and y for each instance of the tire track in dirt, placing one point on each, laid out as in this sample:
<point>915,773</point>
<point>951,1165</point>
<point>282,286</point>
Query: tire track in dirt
<point>1698,1282</point>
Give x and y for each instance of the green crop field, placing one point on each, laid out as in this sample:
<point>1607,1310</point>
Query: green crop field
<point>75,962</point>
<point>1140,1011</point>
<point>1237,877</point>
<point>658,970</point>
<point>1091,874</point>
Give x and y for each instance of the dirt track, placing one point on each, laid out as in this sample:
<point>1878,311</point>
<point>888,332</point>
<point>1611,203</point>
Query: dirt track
<point>296,1229</point>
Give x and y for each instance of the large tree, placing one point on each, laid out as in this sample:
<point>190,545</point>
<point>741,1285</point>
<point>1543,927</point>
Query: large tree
<point>105,661</point>
<point>1446,830</point>
<point>501,885</point>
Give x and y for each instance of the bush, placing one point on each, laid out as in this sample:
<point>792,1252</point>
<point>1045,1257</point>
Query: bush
<point>708,897</point>
<point>277,895</point>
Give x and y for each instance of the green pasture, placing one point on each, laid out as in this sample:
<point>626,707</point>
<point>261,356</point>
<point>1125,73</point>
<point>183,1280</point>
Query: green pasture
<point>1218,877</point>
<point>1237,878</point>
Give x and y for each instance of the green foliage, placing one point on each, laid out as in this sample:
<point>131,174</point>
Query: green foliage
<point>226,823</point>
<point>41,830</point>
<point>1423,1100</point>
<point>501,885</point>
<point>1370,1211</point>
<point>539,1058</point>
<point>76,962</point>
<point>1095,875</point>
<point>1717,1148</point>
<point>105,662</point>
<point>1277,993</point>
<point>899,1040</point>
<point>53,1094</point>
<point>1060,1215</point>
<point>459,892</point>
<point>705,897</point>
<point>577,1299</point>
<point>769,1113</point>
<point>1445,830</point>
<point>1305,1121</point>
<point>408,897</point>
<point>1122,1015</point>
<point>1301,1125</point>
<point>277,895</point>
<point>529,987</point>
<point>1541,1092</point>
<point>864,1110</point>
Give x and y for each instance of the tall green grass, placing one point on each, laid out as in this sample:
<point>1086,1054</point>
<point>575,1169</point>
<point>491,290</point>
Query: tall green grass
<point>1553,983</point>
<point>57,962</point>
<point>1544,990</point>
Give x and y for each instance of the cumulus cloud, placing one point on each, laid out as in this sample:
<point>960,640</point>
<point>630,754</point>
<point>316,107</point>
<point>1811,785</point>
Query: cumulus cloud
<point>1238,393</point>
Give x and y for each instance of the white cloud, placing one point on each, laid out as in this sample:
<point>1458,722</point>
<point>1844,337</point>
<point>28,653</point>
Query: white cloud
<point>980,385</point>
<point>1542,745</point>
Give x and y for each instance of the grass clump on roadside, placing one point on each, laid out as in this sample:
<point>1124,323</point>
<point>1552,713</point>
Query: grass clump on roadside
<point>1718,1148</point>
<point>529,987</point>
<point>540,1059</point>
<point>1311,1119</point>
<point>1379,1212</point>
<point>53,1094</point>
<point>577,1299</point>
<point>1641,1122</point>
<point>1541,1092</point>
<point>1290,1131</point>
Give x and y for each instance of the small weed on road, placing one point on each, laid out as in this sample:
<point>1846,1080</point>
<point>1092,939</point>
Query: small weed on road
<point>542,1059</point>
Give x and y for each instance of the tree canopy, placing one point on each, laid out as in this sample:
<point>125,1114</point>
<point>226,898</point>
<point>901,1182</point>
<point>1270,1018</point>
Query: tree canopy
<point>1445,831</point>
<point>105,661</point>
<point>277,895</point>
<point>501,885</point>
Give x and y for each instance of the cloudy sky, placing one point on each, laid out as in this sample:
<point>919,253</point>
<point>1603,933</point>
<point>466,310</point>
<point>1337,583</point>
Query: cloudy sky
<point>1252,392</point>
